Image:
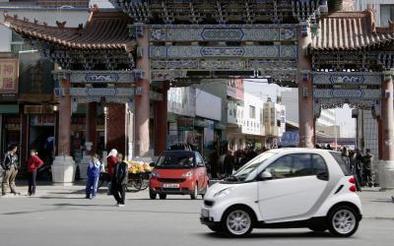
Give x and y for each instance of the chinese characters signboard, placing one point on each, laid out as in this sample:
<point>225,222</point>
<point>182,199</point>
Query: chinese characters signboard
<point>235,89</point>
<point>8,76</point>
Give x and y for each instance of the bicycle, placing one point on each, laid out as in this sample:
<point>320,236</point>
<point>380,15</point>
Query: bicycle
<point>104,179</point>
<point>138,182</point>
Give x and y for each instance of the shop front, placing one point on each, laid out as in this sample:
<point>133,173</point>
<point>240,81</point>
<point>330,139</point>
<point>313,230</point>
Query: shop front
<point>9,109</point>
<point>9,126</point>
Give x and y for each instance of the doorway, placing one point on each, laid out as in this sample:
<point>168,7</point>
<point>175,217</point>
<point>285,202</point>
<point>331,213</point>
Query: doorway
<point>42,139</point>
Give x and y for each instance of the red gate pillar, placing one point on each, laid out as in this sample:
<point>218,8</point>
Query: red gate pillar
<point>305,89</point>
<point>161,124</point>
<point>63,168</point>
<point>116,127</point>
<point>91,121</point>
<point>386,167</point>
<point>142,100</point>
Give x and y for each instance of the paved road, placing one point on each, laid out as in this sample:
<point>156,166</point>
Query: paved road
<point>64,219</point>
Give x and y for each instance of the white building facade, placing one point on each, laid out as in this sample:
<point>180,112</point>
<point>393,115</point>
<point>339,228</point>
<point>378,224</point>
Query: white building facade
<point>324,122</point>
<point>384,10</point>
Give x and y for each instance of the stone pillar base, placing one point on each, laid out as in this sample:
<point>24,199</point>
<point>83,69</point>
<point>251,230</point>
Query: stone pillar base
<point>63,170</point>
<point>386,174</point>
<point>83,166</point>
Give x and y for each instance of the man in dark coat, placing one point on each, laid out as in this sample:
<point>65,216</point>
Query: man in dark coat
<point>367,168</point>
<point>214,163</point>
<point>119,181</point>
<point>11,166</point>
<point>229,161</point>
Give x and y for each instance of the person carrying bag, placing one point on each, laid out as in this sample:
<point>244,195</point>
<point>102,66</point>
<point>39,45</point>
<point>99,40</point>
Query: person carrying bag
<point>10,166</point>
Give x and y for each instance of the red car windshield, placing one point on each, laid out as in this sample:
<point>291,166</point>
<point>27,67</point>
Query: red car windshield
<point>176,160</point>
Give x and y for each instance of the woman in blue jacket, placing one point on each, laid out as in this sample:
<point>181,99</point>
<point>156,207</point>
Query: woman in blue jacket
<point>93,172</point>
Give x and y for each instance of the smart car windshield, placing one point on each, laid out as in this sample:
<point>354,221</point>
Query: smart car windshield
<point>245,173</point>
<point>176,159</point>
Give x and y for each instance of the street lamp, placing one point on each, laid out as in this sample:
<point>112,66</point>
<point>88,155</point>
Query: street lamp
<point>55,109</point>
<point>105,127</point>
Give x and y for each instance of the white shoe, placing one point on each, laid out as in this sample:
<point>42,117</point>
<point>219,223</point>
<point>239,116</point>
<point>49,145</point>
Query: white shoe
<point>121,205</point>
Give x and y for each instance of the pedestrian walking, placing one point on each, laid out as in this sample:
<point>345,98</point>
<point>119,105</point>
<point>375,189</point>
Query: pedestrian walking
<point>112,159</point>
<point>10,166</point>
<point>93,173</point>
<point>119,181</point>
<point>214,163</point>
<point>367,168</point>
<point>229,162</point>
<point>33,164</point>
<point>355,163</point>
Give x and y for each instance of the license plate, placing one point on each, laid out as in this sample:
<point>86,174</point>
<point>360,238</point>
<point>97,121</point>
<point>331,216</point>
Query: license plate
<point>171,186</point>
<point>204,213</point>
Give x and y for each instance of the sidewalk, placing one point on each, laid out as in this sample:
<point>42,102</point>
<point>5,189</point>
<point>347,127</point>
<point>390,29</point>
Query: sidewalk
<point>376,204</point>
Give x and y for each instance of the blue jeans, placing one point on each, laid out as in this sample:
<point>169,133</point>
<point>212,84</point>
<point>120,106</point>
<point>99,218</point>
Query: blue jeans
<point>91,186</point>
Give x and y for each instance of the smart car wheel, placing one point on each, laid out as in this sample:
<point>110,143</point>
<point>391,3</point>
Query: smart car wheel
<point>343,221</point>
<point>152,194</point>
<point>238,222</point>
<point>194,195</point>
<point>162,196</point>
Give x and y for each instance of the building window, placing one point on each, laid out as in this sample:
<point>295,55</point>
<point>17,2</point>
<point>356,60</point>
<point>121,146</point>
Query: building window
<point>386,14</point>
<point>252,112</point>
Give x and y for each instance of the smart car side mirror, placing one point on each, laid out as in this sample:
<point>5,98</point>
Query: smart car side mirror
<point>266,175</point>
<point>152,164</point>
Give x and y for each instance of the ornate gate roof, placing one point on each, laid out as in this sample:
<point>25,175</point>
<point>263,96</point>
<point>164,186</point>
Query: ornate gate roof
<point>104,30</point>
<point>103,43</point>
<point>351,31</point>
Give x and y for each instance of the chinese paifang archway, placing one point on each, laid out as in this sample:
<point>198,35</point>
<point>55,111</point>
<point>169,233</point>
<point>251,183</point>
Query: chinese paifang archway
<point>142,47</point>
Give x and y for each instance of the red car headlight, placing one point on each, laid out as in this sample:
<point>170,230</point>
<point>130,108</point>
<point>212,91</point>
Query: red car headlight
<point>187,175</point>
<point>155,174</point>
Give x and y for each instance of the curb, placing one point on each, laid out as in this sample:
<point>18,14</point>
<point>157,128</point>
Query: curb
<point>378,218</point>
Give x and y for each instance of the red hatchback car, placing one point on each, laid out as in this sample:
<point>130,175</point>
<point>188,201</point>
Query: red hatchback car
<point>179,172</point>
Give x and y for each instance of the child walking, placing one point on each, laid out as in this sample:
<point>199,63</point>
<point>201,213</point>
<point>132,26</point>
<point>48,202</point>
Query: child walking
<point>93,172</point>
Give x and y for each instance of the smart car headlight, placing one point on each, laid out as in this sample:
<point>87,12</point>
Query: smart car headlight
<point>222,193</point>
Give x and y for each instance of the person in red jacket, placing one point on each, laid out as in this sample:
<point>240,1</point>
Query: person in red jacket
<point>112,160</point>
<point>33,164</point>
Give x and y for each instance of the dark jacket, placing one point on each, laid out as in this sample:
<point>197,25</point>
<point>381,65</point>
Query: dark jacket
<point>10,160</point>
<point>121,174</point>
<point>229,164</point>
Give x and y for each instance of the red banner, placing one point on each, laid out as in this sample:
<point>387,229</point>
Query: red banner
<point>8,75</point>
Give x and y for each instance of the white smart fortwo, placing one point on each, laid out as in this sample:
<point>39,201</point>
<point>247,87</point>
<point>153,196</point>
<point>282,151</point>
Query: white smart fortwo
<point>286,188</point>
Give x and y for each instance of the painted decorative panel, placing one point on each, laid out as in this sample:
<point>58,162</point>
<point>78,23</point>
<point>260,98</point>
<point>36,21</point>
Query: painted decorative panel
<point>268,51</point>
<point>105,76</point>
<point>327,103</point>
<point>181,33</point>
<point>347,78</point>
<point>102,92</point>
<point>347,93</point>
